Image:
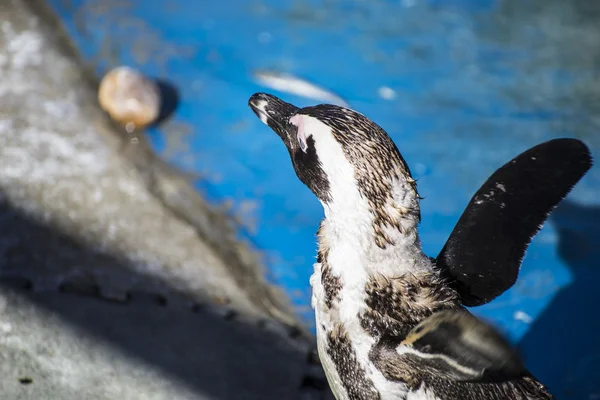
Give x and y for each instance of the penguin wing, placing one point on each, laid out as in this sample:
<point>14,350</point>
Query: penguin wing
<point>483,254</point>
<point>453,345</point>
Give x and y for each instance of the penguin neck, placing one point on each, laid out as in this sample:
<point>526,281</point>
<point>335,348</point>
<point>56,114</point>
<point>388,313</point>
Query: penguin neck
<point>365,237</point>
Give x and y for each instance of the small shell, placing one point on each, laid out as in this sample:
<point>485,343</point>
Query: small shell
<point>129,98</point>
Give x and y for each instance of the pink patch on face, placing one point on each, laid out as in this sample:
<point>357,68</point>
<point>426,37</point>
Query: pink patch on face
<point>296,120</point>
<point>299,122</point>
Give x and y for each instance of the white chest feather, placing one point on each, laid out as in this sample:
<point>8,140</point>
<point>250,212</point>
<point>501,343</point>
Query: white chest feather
<point>351,241</point>
<point>327,321</point>
<point>354,264</point>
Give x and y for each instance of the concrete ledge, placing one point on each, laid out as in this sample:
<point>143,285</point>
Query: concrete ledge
<point>116,279</point>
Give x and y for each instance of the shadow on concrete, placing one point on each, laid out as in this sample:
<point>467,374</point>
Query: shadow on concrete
<point>217,354</point>
<point>562,346</point>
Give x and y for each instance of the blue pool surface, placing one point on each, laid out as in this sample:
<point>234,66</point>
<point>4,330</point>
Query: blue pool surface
<point>462,86</point>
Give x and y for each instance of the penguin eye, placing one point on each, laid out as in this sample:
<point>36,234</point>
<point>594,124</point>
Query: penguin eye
<point>302,140</point>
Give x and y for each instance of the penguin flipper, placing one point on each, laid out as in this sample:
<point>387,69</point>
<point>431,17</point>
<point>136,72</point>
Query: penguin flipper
<point>483,254</point>
<point>453,345</point>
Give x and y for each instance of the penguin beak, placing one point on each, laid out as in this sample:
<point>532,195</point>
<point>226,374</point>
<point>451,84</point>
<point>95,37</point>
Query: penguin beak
<point>276,114</point>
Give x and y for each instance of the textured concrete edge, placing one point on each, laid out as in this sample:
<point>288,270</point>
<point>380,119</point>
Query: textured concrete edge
<point>308,381</point>
<point>172,188</point>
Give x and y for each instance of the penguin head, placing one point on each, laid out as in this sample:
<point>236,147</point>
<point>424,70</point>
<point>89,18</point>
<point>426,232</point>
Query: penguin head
<point>338,153</point>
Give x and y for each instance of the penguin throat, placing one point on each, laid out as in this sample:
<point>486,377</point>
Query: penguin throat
<point>385,220</point>
<point>380,240</point>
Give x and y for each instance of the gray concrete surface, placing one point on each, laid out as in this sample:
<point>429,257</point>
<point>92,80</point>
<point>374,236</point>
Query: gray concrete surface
<point>74,347</point>
<point>117,281</point>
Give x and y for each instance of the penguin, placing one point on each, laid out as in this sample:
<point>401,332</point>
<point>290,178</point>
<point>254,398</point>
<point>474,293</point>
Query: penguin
<point>391,322</point>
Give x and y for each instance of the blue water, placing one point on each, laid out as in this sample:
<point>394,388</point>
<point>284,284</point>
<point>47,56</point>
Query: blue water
<point>475,82</point>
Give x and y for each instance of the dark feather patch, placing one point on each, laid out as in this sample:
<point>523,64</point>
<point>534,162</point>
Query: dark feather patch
<point>309,170</point>
<point>456,357</point>
<point>460,346</point>
<point>352,374</point>
<point>332,284</point>
<point>410,370</point>
<point>396,305</point>
<point>483,254</point>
